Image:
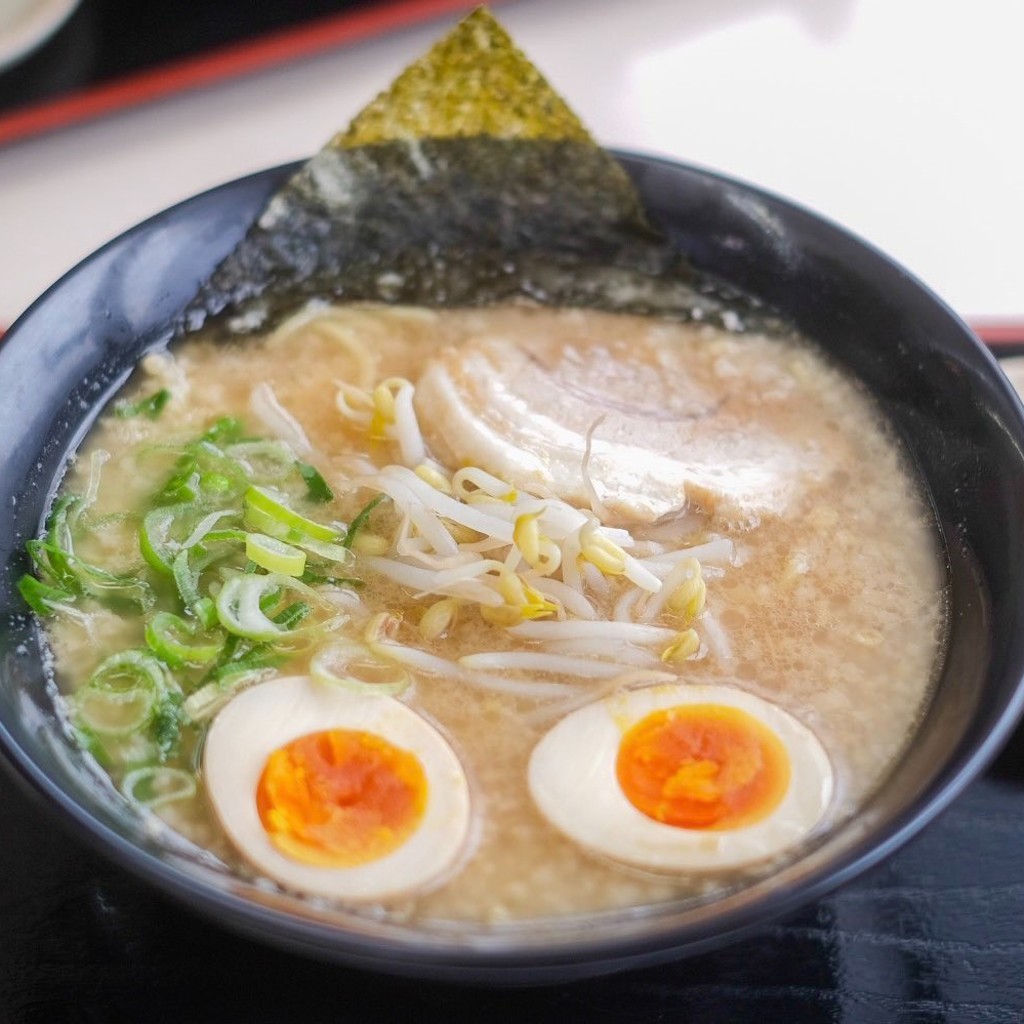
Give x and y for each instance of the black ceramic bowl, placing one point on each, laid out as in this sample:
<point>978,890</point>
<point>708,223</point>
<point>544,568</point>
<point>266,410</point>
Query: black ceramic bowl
<point>959,418</point>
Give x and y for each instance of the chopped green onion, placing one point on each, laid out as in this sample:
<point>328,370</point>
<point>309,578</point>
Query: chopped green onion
<point>204,473</point>
<point>58,564</point>
<point>222,536</point>
<point>238,604</point>
<point>263,460</point>
<point>168,637</point>
<point>262,505</point>
<point>316,485</point>
<point>205,527</point>
<point>264,522</point>
<point>39,551</point>
<point>156,541</point>
<point>114,713</point>
<point>187,568</point>
<point>235,625</point>
<point>167,721</point>
<point>133,667</point>
<point>156,785</point>
<point>206,701</point>
<point>259,661</point>
<point>184,485</point>
<point>274,555</point>
<point>41,597</point>
<point>241,658</point>
<point>205,611</point>
<point>353,667</point>
<point>331,552</point>
<point>150,407</point>
<point>120,697</point>
<point>51,553</point>
<point>186,579</point>
<point>214,484</point>
<point>226,430</point>
<point>292,616</point>
<point>360,521</point>
<point>316,578</point>
<point>107,587</point>
<point>209,699</point>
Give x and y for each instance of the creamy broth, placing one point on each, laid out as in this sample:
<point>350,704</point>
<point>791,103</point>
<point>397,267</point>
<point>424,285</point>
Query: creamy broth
<point>828,600</point>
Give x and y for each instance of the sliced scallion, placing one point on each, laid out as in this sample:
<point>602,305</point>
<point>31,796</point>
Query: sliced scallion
<point>167,721</point>
<point>205,611</point>
<point>329,552</point>
<point>226,430</point>
<point>274,555</point>
<point>209,699</point>
<point>257,664</point>
<point>115,713</point>
<point>157,785</point>
<point>121,696</point>
<point>108,587</point>
<point>267,504</point>
<point>187,568</point>
<point>294,615</point>
<point>238,604</point>
<point>205,527</point>
<point>156,535</point>
<point>361,520</point>
<point>353,667</point>
<point>150,407</point>
<point>316,486</point>
<point>224,536</point>
<point>263,460</point>
<point>178,643</point>
<point>41,597</point>
<point>186,579</point>
<point>184,485</point>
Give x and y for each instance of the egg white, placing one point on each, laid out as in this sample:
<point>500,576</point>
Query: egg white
<point>573,782</point>
<point>266,717</point>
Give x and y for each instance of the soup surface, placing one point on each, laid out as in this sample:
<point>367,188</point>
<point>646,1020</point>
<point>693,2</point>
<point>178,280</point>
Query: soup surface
<point>747,522</point>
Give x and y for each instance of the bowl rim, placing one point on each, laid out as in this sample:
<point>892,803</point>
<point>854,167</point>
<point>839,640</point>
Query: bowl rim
<point>583,956</point>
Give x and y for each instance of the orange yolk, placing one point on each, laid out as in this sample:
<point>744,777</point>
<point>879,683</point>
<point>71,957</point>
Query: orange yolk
<point>340,798</point>
<point>703,766</point>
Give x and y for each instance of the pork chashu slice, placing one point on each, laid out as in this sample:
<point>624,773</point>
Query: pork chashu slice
<point>688,417</point>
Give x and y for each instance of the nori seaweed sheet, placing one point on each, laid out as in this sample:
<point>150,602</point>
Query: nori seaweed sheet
<point>469,182</point>
<point>447,222</point>
<point>474,81</point>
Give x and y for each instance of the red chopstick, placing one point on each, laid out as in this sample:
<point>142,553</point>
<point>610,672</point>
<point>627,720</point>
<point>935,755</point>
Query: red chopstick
<point>998,334</point>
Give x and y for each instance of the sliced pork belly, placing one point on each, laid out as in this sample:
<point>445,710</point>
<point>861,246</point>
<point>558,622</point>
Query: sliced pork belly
<point>687,418</point>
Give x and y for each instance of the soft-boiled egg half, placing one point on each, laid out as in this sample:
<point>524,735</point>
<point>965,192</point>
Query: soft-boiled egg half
<point>339,794</point>
<point>676,777</point>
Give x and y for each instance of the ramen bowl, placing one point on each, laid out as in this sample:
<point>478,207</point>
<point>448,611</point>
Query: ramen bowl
<point>943,393</point>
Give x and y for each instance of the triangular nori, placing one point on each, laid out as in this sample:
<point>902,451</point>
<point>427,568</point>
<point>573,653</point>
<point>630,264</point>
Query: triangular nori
<point>468,182</point>
<point>475,81</point>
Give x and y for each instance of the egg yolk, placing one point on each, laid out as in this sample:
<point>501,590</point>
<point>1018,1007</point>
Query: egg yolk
<point>340,798</point>
<point>703,766</point>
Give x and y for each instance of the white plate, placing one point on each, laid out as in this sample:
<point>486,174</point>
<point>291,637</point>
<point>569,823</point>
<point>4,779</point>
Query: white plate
<point>26,24</point>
